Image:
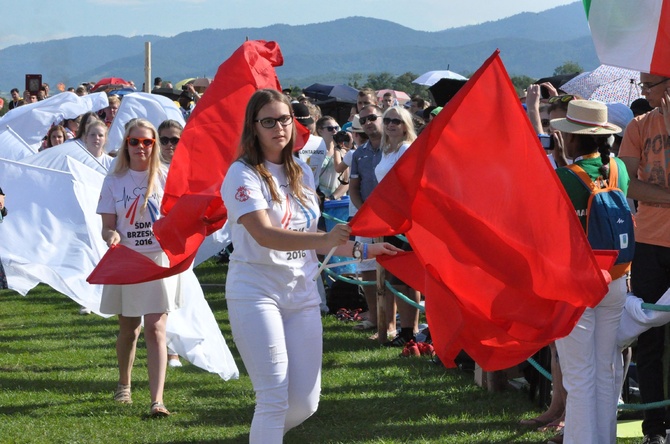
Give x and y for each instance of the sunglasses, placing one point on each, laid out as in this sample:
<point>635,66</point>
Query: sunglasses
<point>171,140</point>
<point>563,98</point>
<point>648,86</point>
<point>331,128</point>
<point>146,141</point>
<point>271,122</point>
<point>388,121</point>
<point>370,118</point>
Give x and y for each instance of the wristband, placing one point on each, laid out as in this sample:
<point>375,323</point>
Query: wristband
<point>365,251</point>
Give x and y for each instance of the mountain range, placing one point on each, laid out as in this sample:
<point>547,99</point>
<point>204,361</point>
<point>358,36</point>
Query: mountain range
<point>531,44</point>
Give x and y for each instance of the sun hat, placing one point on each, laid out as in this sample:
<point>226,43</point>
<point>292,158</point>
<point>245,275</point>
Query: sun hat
<point>355,125</point>
<point>301,114</point>
<point>586,117</point>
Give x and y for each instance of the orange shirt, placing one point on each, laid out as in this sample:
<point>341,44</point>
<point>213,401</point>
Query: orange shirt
<point>647,139</point>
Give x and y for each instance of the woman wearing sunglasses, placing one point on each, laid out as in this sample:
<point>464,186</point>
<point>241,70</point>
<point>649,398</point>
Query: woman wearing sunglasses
<point>329,185</point>
<point>397,135</point>
<point>271,291</point>
<point>169,133</point>
<point>129,205</point>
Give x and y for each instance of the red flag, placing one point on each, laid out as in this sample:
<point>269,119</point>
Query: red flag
<point>502,258</point>
<point>209,144</point>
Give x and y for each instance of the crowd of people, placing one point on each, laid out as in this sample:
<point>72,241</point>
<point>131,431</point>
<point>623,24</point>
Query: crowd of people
<point>275,195</point>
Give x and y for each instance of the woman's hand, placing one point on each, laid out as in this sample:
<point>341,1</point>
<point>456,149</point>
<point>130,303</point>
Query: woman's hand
<point>112,238</point>
<point>375,250</point>
<point>339,235</point>
<point>559,149</point>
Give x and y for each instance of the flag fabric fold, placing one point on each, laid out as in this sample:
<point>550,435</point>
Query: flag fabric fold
<point>502,258</point>
<point>192,202</point>
<point>633,35</point>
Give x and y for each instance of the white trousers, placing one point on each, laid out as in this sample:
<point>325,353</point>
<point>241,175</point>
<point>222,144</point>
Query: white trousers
<point>281,349</point>
<point>592,368</point>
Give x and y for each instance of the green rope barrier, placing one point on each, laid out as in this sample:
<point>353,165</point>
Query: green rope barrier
<point>649,405</point>
<point>539,368</point>
<point>655,307</point>
<point>420,307</point>
<point>339,277</point>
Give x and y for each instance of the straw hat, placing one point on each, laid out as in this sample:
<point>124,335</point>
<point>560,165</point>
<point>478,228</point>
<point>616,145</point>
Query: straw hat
<point>355,125</point>
<point>586,117</point>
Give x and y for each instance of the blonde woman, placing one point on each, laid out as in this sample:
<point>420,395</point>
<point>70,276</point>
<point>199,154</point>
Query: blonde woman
<point>129,206</point>
<point>397,136</point>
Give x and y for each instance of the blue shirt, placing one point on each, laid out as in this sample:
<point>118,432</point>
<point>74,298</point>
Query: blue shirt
<point>363,164</point>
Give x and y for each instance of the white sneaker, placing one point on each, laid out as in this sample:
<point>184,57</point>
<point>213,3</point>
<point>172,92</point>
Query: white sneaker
<point>174,363</point>
<point>84,311</point>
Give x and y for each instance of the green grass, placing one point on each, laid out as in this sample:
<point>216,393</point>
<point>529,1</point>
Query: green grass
<point>58,372</point>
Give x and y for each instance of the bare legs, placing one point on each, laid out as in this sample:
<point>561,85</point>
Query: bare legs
<point>126,346</point>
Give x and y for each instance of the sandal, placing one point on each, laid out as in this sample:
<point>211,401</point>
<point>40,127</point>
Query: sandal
<point>122,394</point>
<point>158,410</point>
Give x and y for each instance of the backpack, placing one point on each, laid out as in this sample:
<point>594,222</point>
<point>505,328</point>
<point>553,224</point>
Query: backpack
<point>609,222</point>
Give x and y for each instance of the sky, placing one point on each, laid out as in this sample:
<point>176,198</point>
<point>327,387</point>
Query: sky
<point>41,20</point>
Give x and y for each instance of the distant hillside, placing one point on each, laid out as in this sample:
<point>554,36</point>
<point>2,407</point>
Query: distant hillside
<point>532,44</point>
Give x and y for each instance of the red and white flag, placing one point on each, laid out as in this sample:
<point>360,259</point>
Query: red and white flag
<point>631,34</point>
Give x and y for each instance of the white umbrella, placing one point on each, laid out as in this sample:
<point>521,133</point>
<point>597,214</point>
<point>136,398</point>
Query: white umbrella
<point>32,121</point>
<point>432,77</point>
<point>153,107</point>
<point>607,84</point>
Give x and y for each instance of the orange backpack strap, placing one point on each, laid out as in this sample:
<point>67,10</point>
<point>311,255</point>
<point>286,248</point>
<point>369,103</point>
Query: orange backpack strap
<point>614,173</point>
<point>583,176</point>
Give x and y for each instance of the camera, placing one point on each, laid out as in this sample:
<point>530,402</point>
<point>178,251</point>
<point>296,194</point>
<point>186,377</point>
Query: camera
<point>184,87</point>
<point>547,141</point>
<point>342,137</point>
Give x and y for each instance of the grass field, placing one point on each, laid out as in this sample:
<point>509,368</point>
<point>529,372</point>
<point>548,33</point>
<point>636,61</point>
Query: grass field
<point>58,372</point>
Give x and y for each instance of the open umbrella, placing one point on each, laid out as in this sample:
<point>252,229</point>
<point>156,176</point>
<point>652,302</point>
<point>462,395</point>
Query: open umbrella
<point>341,93</point>
<point>109,83</point>
<point>432,77</point>
<point>445,89</point>
<point>170,93</point>
<point>401,96</point>
<point>607,84</point>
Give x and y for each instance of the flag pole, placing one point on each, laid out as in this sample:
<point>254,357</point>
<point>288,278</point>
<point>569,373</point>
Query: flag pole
<point>382,327</point>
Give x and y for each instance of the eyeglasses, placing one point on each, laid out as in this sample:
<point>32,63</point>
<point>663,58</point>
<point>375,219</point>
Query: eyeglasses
<point>146,141</point>
<point>171,140</point>
<point>331,128</point>
<point>271,122</point>
<point>388,121</point>
<point>648,86</point>
<point>370,118</point>
<point>563,98</point>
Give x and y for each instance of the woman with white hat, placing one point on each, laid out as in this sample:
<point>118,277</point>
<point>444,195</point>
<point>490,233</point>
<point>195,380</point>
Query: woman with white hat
<point>589,358</point>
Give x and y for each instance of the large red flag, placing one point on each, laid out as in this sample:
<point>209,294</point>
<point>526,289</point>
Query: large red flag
<point>192,200</point>
<point>502,258</point>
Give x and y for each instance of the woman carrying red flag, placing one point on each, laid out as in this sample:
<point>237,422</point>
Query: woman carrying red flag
<point>273,302</point>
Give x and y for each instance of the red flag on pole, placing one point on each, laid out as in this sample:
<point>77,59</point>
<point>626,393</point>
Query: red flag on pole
<point>209,144</point>
<point>498,250</point>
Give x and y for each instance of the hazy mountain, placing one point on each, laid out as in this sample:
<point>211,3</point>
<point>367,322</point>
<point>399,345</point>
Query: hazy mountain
<point>531,43</point>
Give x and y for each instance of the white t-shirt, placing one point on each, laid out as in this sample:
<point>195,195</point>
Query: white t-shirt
<point>388,160</point>
<point>106,161</point>
<point>256,272</point>
<point>124,196</point>
<point>346,159</point>
<point>313,154</point>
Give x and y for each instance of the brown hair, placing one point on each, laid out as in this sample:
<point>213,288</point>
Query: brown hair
<point>252,153</point>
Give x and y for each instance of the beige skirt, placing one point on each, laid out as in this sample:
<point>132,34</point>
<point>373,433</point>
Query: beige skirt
<point>159,296</point>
